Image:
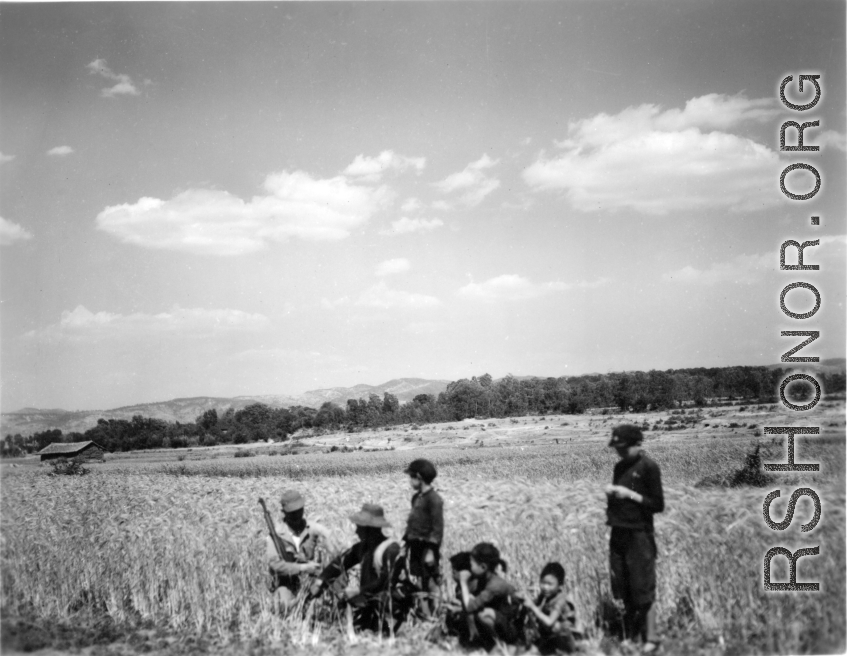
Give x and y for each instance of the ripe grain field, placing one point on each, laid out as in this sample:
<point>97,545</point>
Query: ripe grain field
<point>176,547</point>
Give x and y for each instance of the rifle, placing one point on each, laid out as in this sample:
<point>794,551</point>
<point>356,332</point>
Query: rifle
<point>280,549</point>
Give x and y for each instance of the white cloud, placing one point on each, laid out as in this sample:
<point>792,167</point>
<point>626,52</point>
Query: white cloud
<point>748,269</point>
<point>743,269</point>
<point>397,265</point>
<point>828,138</point>
<point>512,287</point>
<point>81,324</point>
<point>370,169</point>
<point>60,151</point>
<point>657,162</point>
<point>215,222</point>
<point>442,205</point>
<point>6,158</point>
<point>380,296</point>
<point>471,180</point>
<point>124,84</point>
<point>406,225</point>
<point>11,232</point>
<point>327,304</point>
<point>411,205</point>
<point>284,355</point>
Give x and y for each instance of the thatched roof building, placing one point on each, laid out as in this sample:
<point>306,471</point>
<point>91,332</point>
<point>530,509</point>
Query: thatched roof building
<point>79,450</point>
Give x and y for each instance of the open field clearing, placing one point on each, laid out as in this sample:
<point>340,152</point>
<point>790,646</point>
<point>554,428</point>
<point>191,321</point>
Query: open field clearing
<point>173,547</point>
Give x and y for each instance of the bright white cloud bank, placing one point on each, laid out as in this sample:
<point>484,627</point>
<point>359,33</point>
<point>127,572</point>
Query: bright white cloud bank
<point>11,232</point>
<point>656,162</point>
<point>6,158</point>
<point>124,85</point>
<point>406,225</point>
<point>472,181</point>
<point>397,265</point>
<point>60,151</point>
<point>371,169</point>
<point>82,324</point>
<point>215,222</point>
<point>512,287</point>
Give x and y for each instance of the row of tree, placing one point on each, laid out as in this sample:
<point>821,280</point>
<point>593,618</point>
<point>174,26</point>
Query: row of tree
<point>480,397</point>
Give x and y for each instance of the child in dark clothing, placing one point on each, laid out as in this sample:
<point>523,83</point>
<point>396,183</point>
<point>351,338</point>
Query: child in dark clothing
<point>555,616</point>
<point>493,603</point>
<point>424,532</point>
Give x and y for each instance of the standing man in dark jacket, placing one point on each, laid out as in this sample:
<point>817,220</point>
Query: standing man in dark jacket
<point>633,497</point>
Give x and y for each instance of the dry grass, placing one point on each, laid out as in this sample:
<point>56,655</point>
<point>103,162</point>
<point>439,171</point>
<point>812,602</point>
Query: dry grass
<point>180,545</point>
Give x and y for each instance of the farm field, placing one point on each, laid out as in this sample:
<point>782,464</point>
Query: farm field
<point>162,551</point>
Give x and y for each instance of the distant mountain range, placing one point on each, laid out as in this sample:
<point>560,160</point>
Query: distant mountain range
<point>33,420</point>
<point>27,421</point>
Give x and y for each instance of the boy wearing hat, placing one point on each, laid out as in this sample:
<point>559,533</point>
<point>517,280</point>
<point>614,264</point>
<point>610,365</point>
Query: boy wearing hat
<point>633,497</point>
<point>301,541</point>
<point>425,530</point>
<point>376,554</point>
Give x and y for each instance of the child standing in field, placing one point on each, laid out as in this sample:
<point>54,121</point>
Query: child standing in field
<point>633,497</point>
<point>555,614</point>
<point>424,531</point>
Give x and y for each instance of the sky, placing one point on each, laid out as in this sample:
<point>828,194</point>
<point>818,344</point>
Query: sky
<point>266,198</point>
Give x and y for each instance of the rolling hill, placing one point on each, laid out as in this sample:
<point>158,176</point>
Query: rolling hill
<point>33,420</point>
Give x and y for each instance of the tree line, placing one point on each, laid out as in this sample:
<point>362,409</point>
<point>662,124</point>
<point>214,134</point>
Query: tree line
<point>480,397</point>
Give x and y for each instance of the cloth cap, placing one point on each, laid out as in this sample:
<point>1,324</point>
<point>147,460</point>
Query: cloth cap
<point>626,435</point>
<point>291,501</point>
<point>370,515</point>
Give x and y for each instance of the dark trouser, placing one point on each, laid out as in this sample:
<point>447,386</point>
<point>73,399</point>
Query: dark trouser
<point>474,631</point>
<point>556,644</point>
<point>379,612</point>
<point>428,575</point>
<point>632,561</point>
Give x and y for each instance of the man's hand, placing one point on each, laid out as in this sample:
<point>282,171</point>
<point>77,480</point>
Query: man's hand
<point>316,588</point>
<point>465,576</point>
<point>621,492</point>
<point>311,568</point>
<point>429,557</point>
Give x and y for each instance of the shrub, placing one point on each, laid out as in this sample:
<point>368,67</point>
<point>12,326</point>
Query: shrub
<point>64,467</point>
<point>243,453</point>
<point>751,474</point>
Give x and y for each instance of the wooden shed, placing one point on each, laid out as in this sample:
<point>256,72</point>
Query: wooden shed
<point>85,451</point>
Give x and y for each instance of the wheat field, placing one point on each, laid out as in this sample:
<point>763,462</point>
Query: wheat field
<point>179,545</point>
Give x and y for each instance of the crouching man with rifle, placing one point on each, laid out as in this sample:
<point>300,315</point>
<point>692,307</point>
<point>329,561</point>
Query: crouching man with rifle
<point>292,548</point>
<point>380,603</point>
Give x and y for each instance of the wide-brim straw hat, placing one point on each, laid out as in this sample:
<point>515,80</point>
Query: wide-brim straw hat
<point>370,515</point>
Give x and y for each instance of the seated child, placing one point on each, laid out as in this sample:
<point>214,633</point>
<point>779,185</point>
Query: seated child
<point>488,601</point>
<point>554,612</point>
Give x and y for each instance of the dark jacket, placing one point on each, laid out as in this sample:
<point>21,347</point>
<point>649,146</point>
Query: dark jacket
<point>641,475</point>
<point>371,581</point>
<point>426,520</point>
